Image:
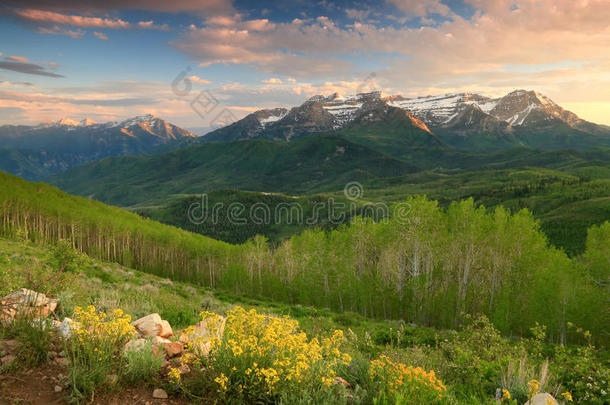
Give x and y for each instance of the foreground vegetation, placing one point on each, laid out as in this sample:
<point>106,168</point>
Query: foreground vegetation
<point>384,362</point>
<point>425,264</point>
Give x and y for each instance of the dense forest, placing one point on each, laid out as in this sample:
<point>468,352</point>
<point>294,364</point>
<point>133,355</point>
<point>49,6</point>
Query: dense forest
<point>425,264</point>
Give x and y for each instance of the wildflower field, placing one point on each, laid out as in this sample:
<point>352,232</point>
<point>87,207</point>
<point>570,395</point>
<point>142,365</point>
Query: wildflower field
<point>258,351</point>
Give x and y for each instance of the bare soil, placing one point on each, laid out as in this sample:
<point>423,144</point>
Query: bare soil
<point>37,387</point>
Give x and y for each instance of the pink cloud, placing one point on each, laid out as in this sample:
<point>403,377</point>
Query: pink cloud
<point>101,35</point>
<point>273,80</point>
<point>15,58</point>
<point>50,17</point>
<point>199,80</point>
<point>76,34</point>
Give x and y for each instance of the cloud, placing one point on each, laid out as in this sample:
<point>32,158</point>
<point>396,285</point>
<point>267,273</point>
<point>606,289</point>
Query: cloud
<point>356,14</point>
<point>27,68</point>
<point>292,48</point>
<point>199,80</point>
<point>205,7</point>
<point>421,8</point>
<point>60,31</point>
<point>101,35</point>
<point>14,58</point>
<point>51,17</point>
<point>46,98</point>
<point>273,80</point>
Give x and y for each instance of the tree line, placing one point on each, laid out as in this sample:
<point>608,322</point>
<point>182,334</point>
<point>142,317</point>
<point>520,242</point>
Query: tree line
<point>424,264</point>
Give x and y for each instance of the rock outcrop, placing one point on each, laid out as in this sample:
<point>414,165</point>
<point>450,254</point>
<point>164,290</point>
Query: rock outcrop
<point>543,398</point>
<point>26,303</point>
<point>152,325</point>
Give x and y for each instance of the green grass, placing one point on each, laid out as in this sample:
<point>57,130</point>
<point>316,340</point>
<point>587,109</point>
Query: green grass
<point>472,362</point>
<point>299,166</point>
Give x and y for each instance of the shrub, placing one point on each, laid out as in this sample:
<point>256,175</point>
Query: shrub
<point>94,348</point>
<point>141,365</point>
<point>476,358</point>
<point>398,383</point>
<point>262,358</point>
<point>34,336</point>
<point>518,376</point>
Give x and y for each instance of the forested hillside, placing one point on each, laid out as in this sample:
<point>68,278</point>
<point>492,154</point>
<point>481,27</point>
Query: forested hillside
<point>425,264</point>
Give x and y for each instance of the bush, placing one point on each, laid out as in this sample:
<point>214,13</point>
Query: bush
<point>262,359</point>
<point>141,365</point>
<point>476,358</point>
<point>94,348</point>
<point>398,383</point>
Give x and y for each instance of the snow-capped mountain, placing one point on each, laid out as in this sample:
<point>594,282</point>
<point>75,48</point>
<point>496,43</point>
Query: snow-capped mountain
<point>140,125</point>
<point>317,114</point>
<point>520,108</point>
<point>520,118</point>
<point>70,142</point>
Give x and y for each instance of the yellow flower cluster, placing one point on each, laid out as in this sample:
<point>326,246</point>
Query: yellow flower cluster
<point>533,386</point>
<point>175,375</point>
<point>567,396</point>
<point>222,381</point>
<point>270,351</point>
<point>100,328</point>
<point>204,336</point>
<point>398,377</point>
<point>505,395</point>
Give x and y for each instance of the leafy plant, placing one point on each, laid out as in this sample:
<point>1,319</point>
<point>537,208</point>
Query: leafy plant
<point>94,348</point>
<point>141,365</point>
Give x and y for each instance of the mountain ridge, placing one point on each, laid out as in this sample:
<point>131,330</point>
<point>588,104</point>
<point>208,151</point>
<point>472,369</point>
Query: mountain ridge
<point>467,120</point>
<point>41,150</point>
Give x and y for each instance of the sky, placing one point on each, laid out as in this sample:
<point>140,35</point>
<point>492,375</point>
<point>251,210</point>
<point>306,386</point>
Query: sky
<point>201,63</point>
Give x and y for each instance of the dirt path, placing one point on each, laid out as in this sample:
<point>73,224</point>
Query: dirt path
<point>37,387</point>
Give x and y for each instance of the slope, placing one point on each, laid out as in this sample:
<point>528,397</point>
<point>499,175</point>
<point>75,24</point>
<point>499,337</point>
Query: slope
<point>299,166</point>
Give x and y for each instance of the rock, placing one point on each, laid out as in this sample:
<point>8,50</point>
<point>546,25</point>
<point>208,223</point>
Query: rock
<point>166,329</point>
<point>7,360</point>
<point>152,325</point>
<point>159,394</point>
<point>543,398</point>
<point>66,327</point>
<point>173,349</point>
<point>340,380</point>
<point>207,330</point>
<point>26,303</point>
<point>58,388</point>
<point>211,328</point>
<point>159,341</point>
<point>135,345</point>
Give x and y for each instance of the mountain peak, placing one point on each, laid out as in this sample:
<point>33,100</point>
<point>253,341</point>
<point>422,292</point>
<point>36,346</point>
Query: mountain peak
<point>66,122</point>
<point>86,122</point>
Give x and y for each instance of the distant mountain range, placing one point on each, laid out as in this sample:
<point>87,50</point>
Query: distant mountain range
<point>466,120</point>
<point>35,152</point>
<point>419,131</point>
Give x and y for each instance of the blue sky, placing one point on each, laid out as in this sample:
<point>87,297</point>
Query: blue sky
<point>115,59</point>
